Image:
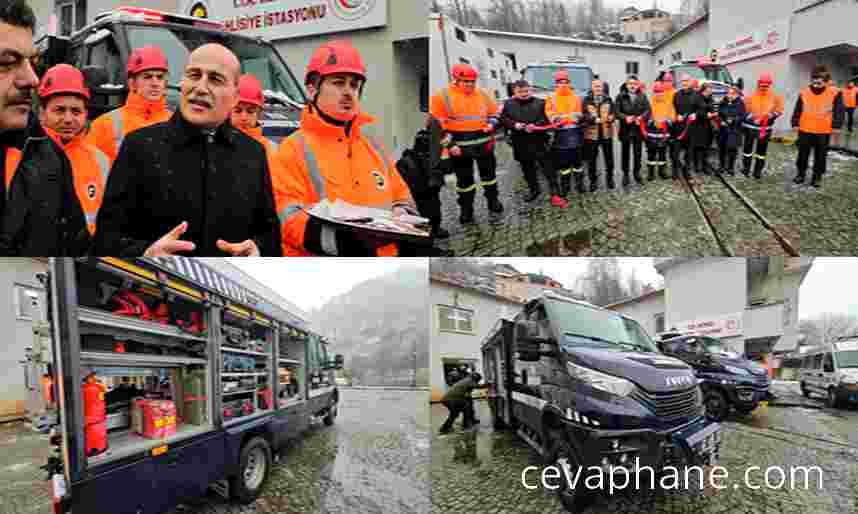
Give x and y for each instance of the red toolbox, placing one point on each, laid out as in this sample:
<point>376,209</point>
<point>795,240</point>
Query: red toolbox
<point>154,419</point>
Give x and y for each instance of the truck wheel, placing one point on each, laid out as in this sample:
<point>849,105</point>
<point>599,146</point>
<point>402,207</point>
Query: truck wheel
<point>831,400</point>
<point>746,410</point>
<point>255,467</point>
<point>717,407</point>
<point>332,415</point>
<point>804,390</point>
<point>563,456</point>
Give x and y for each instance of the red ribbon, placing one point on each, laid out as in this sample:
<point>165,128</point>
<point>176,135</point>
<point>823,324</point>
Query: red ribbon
<point>642,126</point>
<point>764,126</point>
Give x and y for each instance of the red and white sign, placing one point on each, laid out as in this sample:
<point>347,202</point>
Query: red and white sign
<point>282,19</point>
<point>763,40</point>
<point>729,325</point>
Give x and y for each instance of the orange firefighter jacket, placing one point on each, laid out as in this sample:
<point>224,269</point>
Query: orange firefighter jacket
<point>564,104</point>
<point>90,169</point>
<point>459,111</point>
<point>849,97</point>
<point>109,130</point>
<point>321,161</point>
<point>817,114</point>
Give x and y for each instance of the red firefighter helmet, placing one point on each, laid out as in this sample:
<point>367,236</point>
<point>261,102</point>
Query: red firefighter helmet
<point>766,79</point>
<point>63,79</point>
<point>695,84</point>
<point>147,58</point>
<point>561,75</point>
<point>250,90</point>
<point>464,72</point>
<point>668,77</point>
<point>336,57</point>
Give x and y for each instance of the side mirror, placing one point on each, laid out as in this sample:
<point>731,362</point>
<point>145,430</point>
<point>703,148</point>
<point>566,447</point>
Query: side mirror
<point>740,83</point>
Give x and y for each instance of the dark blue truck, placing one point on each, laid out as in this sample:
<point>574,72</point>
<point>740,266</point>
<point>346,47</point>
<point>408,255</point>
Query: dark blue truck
<point>587,388</point>
<point>243,374</point>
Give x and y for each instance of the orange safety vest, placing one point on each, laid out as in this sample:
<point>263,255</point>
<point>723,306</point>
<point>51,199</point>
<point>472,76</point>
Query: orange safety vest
<point>661,108</point>
<point>108,131</point>
<point>90,169</point>
<point>463,112</point>
<point>850,94</point>
<point>321,161</point>
<point>817,114</point>
<point>567,106</point>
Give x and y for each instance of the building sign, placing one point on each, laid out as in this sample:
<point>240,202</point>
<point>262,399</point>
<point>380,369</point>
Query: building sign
<point>281,19</point>
<point>729,325</point>
<point>199,10</point>
<point>764,40</point>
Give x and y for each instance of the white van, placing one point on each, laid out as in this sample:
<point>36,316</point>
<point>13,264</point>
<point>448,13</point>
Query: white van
<point>832,370</point>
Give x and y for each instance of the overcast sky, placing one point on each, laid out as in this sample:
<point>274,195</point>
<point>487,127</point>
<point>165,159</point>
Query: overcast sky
<point>310,282</point>
<point>566,271</point>
<point>831,285</point>
<point>667,5</point>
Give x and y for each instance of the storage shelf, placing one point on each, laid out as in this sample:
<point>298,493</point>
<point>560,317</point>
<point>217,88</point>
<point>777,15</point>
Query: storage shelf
<point>243,374</point>
<point>230,393</point>
<point>125,443</point>
<point>245,352</point>
<point>97,317</point>
<point>137,359</point>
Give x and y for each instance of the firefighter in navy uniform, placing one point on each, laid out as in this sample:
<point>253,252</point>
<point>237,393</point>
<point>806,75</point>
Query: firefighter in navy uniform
<point>731,112</point>
<point>469,115</point>
<point>818,112</point>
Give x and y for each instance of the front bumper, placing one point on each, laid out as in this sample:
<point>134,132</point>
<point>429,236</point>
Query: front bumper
<point>695,443</point>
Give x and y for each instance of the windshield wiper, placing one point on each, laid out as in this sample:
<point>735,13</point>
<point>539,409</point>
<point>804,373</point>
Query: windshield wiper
<point>637,346</point>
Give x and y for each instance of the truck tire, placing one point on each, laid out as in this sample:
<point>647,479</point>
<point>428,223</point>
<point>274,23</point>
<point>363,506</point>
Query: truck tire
<point>831,399</point>
<point>571,499</point>
<point>254,470</point>
<point>332,415</point>
<point>717,407</point>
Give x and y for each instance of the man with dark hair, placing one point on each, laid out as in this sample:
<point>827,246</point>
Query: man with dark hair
<point>194,184</point>
<point>23,144</point>
<point>632,106</point>
<point>459,400</point>
<point>523,115</point>
<point>818,111</point>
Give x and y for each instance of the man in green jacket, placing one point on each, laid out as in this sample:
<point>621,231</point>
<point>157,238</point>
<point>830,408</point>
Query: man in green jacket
<point>458,400</point>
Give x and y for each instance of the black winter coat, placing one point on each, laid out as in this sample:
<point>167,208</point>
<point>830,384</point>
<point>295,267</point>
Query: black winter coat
<point>415,166</point>
<point>700,131</point>
<point>731,114</point>
<point>630,105</point>
<point>172,172</point>
<point>526,146</point>
<point>43,216</point>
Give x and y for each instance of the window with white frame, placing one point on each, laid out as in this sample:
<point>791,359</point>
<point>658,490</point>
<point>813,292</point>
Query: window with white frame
<point>71,16</point>
<point>28,304</point>
<point>454,319</point>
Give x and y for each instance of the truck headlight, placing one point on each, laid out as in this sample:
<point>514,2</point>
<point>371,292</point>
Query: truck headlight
<point>602,381</point>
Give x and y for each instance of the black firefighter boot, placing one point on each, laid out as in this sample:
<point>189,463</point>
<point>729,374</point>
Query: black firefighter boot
<point>579,182</point>
<point>731,162</point>
<point>594,180</point>
<point>626,179</point>
<point>467,214</point>
<point>637,174</point>
<point>651,174</point>
<point>494,204</point>
<point>759,164</point>
<point>800,177</point>
<point>746,165</point>
<point>816,180</point>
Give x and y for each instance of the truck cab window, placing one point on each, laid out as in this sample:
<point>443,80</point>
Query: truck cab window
<point>106,54</point>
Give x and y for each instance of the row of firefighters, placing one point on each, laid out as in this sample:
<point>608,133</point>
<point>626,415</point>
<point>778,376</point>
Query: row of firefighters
<point>142,180</point>
<point>681,124</point>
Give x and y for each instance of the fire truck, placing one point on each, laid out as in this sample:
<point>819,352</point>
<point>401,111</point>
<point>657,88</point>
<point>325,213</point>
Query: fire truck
<point>706,71</point>
<point>101,49</point>
<point>172,377</point>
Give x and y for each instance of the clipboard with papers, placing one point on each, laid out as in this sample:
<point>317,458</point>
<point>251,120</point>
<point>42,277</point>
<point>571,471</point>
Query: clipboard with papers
<point>356,218</point>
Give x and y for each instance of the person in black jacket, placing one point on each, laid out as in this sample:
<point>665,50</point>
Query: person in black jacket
<point>685,104</point>
<point>522,115</point>
<point>631,105</point>
<point>700,129</point>
<point>731,112</point>
<point>193,184</point>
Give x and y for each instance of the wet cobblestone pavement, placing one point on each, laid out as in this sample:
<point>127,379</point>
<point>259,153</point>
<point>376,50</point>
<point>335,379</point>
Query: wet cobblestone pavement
<point>374,459</point>
<point>479,471</point>
<point>23,489</point>
<point>663,218</point>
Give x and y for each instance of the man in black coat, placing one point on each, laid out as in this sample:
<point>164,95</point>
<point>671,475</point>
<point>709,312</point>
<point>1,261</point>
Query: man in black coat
<point>631,105</point>
<point>700,130</point>
<point>522,115</point>
<point>193,184</point>
<point>685,102</point>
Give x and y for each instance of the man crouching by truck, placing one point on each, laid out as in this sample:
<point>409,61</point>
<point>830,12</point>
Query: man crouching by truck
<point>458,401</point>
